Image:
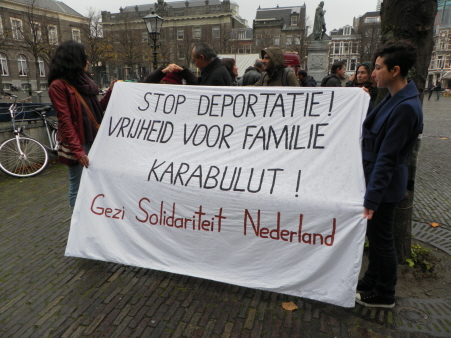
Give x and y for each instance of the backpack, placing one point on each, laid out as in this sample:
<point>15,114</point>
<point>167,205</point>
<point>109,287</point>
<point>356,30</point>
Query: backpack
<point>284,77</point>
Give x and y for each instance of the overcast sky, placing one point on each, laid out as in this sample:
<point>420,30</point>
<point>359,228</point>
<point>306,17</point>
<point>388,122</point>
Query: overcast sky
<point>338,13</point>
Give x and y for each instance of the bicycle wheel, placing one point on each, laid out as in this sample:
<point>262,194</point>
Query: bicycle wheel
<point>33,160</point>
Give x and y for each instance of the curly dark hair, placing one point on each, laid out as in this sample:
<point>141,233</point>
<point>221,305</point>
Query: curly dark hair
<point>400,53</point>
<point>68,62</point>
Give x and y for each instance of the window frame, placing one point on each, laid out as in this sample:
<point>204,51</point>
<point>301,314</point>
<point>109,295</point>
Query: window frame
<point>41,67</point>
<point>79,34</point>
<point>4,68</point>
<point>22,60</point>
<point>197,32</point>
<point>216,30</point>
<point>16,29</point>
<point>53,38</point>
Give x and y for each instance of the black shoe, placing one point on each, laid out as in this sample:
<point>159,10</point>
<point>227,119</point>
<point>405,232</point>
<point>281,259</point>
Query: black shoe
<point>363,287</point>
<point>371,299</point>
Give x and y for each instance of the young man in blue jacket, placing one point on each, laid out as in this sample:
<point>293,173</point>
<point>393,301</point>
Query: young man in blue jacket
<point>389,133</point>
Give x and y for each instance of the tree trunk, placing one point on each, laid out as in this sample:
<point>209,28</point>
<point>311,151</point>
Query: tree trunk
<point>38,74</point>
<point>416,24</point>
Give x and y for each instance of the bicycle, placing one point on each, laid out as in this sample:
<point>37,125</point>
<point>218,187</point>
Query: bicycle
<point>22,155</point>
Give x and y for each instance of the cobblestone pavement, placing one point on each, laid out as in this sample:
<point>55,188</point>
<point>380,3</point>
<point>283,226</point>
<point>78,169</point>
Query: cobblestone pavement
<point>44,294</point>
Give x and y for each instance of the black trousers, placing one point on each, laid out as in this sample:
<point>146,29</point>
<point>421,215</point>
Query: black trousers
<point>382,272</point>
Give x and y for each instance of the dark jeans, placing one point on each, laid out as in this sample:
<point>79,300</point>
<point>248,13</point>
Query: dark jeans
<point>75,178</point>
<point>382,272</point>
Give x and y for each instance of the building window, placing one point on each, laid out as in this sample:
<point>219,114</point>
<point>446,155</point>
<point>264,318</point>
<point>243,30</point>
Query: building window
<point>345,48</point>
<point>1,26</point>
<point>181,52</point>
<point>288,40</point>
<point>4,64</point>
<point>336,48</point>
<point>294,20</point>
<point>16,28</point>
<point>241,35</point>
<point>35,31</point>
<point>197,32</point>
<point>347,30</point>
<point>440,62</point>
<point>297,40</point>
<point>180,34</point>
<point>276,40</point>
<point>22,65</point>
<point>353,65</point>
<point>41,67</point>
<point>215,32</point>
<point>53,38</point>
<point>258,40</point>
<point>76,35</point>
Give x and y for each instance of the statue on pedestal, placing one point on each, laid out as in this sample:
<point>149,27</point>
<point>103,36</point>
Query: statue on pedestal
<point>319,26</point>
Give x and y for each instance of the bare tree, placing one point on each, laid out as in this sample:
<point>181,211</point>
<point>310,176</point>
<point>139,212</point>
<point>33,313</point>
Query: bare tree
<point>129,44</point>
<point>370,39</point>
<point>99,48</point>
<point>39,35</point>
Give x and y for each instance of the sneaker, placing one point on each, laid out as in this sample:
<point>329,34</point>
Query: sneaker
<point>371,299</point>
<point>363,287</point>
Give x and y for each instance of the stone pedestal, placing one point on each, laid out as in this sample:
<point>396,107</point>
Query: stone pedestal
<point>318,60</point>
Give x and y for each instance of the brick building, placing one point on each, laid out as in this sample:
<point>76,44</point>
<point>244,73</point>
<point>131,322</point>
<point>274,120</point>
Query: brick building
<point>283,27</point>
<point>28,36</point>
<point>185,24</point>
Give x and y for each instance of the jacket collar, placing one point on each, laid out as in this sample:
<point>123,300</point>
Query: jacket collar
<point>212,66</point>
<point>388,104</point>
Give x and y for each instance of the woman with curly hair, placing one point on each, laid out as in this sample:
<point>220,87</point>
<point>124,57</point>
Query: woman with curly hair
<point>74,98</point>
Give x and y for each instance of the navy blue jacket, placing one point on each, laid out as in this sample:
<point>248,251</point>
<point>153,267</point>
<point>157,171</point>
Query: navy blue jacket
<point>389,133</point>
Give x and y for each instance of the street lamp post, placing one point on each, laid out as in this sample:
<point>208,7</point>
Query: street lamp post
<point>153,23</point>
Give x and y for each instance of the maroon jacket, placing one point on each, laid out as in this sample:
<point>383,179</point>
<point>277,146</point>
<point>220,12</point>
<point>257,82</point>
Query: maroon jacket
<point>69,113</point>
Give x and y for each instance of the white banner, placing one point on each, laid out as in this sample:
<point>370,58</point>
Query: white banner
<point>260,187</point>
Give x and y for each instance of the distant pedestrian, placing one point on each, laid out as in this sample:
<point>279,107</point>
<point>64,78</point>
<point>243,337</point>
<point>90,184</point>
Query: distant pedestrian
<point>431,89</point>
<point>252,74</point>
<point>306,80</point>
<point>438,88</point>
<point>213,72</point>
<point>338,72</point>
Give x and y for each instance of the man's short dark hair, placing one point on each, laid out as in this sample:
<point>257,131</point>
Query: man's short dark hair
<point>302,73</point>
<point>397,53</point>
<point>336,66</point>
<point>204,49</point>
<point>258,64</point>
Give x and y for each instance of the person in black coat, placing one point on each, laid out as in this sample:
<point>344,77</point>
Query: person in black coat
<point>252,74</point>
<point>389,133</point>
<point>338,72</point>
<point>306,80</point>
<point>213,72</point>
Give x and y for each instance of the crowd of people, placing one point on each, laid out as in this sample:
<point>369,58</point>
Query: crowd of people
<point>389,131</point>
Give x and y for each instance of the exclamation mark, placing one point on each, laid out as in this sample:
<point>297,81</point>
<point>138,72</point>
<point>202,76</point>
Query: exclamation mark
<point>299,181</point>
<point>331,103</point>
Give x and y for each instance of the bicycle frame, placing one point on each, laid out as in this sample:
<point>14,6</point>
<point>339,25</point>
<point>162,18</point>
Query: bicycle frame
<point>42,117</point>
